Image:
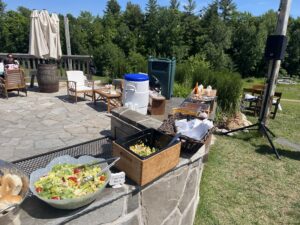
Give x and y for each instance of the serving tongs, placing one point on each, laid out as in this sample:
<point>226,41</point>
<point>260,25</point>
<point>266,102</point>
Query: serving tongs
<point>96,163</point>
<point>3,211</point>
<point>88,178</point>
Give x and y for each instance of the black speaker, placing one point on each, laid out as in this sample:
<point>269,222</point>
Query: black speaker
<point>275,47</point>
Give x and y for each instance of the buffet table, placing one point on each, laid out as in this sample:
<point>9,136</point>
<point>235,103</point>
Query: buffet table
<point>170,199</point>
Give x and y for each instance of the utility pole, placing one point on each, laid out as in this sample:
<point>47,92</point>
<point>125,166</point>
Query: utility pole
<point>68,43</point>
<point>274,65</point>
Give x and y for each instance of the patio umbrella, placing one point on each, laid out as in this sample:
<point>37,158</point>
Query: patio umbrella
<point>55,46</point>
<point>37,42</point>
<point>44,35</point>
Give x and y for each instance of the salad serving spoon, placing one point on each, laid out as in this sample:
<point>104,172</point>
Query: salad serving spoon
<point>88,178</point>
<point>96,163</point>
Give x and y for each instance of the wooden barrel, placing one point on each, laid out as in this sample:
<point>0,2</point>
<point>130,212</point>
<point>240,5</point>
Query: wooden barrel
<point>47,78</point>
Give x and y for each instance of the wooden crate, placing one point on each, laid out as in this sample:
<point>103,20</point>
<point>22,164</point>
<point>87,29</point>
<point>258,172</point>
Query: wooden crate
<point>144,171</point>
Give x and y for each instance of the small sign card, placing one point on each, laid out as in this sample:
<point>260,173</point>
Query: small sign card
<point>117,179</point>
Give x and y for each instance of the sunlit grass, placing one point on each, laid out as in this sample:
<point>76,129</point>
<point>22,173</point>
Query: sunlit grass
<point>244,183</point>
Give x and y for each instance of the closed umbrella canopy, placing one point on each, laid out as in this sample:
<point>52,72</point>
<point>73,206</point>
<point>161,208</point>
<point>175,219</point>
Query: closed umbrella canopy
<point>37,42</point>
<point>44,35</point>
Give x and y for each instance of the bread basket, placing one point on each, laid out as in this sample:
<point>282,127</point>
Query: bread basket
<point>7,167</point>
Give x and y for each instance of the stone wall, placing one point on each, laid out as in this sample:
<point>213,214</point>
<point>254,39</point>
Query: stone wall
<point>170,200</point>
<point>173,198</point>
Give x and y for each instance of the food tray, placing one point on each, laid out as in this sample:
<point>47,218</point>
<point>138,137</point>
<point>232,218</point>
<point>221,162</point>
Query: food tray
<point>149,137</point>
<point>143,170</point>
<point>188,145</point>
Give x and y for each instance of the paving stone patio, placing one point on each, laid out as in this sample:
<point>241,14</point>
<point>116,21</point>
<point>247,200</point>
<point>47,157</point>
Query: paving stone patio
<point>42,122</point>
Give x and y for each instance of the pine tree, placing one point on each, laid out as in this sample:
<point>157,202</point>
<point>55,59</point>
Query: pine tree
<point>190,7</point>
<point>174,4</point>
<point>227,8</point>
<point>113,8</point>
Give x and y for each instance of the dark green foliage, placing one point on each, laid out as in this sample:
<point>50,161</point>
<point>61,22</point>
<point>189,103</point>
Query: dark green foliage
<point>228,84</point>
<point>136,63</point>
<point>292,60</point>
<point>110,60</point>
<point>181,90</point>
<point>174,4</point>
<point>190,7</point>
<point>216,39</point>
<point>221,36</point>
<point>14,32</point>
<point>227,9</point>
<point>113,8</point>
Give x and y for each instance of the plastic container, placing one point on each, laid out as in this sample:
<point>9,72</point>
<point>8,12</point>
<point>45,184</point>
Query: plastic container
<point>136,92</point>
<point>162,71</point>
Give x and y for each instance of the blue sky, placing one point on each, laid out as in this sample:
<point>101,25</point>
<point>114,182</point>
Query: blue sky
<point>96,7</point>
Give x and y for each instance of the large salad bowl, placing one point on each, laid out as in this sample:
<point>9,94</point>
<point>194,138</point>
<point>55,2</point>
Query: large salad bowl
<point>71,203</point>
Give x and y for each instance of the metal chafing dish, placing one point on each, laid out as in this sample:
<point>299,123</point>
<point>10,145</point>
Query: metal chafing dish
<point>6,167</point>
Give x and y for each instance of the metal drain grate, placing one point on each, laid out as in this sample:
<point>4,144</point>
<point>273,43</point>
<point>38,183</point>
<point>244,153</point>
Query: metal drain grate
<point>97,148</point>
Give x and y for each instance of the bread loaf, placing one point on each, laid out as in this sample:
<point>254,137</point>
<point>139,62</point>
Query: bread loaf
<point>11,185</point>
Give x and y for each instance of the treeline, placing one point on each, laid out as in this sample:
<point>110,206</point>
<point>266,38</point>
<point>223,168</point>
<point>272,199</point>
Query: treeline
<point>120,41</point>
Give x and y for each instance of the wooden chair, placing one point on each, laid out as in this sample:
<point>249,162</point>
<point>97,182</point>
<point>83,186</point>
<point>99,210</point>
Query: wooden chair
<point>275,102</point>
<point>77,83</point>
<point>252,101</point>
<point>13,80</point>
<point>119,84</point>
<point>258,86</point>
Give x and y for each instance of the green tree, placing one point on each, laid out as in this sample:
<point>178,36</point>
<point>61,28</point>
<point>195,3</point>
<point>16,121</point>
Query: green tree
<point>111,20</point>
<point>248,44</point>
<point>227,9</point>
<point>215,39</point>
<point>190,7</point>
<point>113,8</point>
<point>174,4</point>
<point>2,34</point>
<point>110,60</point>
<point>2,7</point>
<point>14,32</point>
<point>292,60</point>
<point>81,33</point>
<point>151,27</point>
<point>136,63</point>
<point>171,34</point>
<point>134,19</point>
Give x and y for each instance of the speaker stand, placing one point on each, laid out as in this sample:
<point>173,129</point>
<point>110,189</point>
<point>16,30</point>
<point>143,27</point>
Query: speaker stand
<point>262,128</point>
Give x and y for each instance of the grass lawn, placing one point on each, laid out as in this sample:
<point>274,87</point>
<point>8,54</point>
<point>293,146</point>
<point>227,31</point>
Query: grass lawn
<point>244,183</point>
<point>289,91</point>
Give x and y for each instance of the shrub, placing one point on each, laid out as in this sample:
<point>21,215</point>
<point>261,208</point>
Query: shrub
<point>136,63</point>
<point>181,90</point>
<point>228,84</point>
<point>184,71</point>
<point>110,60</point>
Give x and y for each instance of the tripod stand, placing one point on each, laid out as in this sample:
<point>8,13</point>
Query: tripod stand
<point>264,129</point>
<point>261,126</point>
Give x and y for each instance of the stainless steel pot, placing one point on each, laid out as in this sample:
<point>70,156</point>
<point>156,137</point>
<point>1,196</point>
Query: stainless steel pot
<point>7,167</point>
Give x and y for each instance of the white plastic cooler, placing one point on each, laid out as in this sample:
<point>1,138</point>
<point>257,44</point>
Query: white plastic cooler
<point>136,92</point>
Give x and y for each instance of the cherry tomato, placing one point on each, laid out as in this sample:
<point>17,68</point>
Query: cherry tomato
<point>102,178</point>
<point>39,189</point>
<point>55,197</point>
<point>74,179</point>
<point>76,170</point>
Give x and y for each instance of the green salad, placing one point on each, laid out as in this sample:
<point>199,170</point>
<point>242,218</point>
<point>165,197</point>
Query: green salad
<point>64,182</point>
